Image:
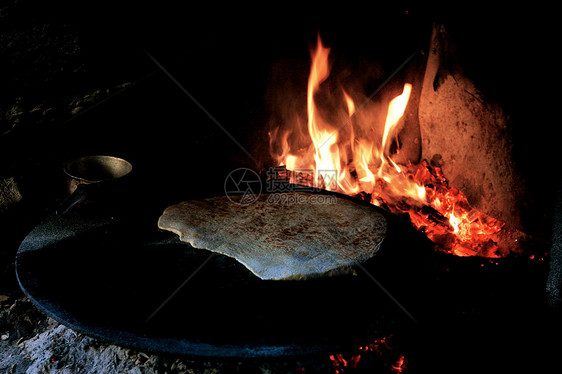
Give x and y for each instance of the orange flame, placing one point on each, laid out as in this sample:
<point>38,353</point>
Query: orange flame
<point>341,159</point>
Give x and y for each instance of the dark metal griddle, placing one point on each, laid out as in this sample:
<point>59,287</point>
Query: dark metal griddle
<point>104,272</point>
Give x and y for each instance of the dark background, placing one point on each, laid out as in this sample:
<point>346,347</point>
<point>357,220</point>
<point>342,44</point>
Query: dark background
<point>54,54</point>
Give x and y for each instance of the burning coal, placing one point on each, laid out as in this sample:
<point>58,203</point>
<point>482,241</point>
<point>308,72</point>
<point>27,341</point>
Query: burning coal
<point>339,150</point>
<point>382,351</point>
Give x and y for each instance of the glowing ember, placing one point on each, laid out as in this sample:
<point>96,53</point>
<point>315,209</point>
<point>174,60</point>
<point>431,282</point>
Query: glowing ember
<point>464,231</point>
<point>381,350</point>
<point>355,159</point>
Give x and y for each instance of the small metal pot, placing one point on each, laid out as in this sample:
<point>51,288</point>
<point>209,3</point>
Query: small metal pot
<point>89,171</point>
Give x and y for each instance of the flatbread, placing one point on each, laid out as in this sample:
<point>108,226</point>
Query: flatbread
<point>281,236</point>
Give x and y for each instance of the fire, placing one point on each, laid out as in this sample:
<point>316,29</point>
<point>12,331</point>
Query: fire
<point>448,219</point>
<point>352,158</point>
<point>383,351</point>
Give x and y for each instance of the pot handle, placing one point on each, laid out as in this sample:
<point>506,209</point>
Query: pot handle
<point>77,197</point>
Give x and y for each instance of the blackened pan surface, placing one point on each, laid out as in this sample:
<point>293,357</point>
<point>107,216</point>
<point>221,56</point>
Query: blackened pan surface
<point>118,278</point>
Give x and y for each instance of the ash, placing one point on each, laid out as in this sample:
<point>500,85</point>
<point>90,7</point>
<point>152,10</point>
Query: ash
<point>33,343</point>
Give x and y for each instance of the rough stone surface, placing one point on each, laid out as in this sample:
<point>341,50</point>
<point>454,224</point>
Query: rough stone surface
<point>467,136</point>
<point>9,192</point>
<point>554,279</point>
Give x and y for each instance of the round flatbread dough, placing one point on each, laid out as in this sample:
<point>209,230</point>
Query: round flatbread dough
<point>281,236</point>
